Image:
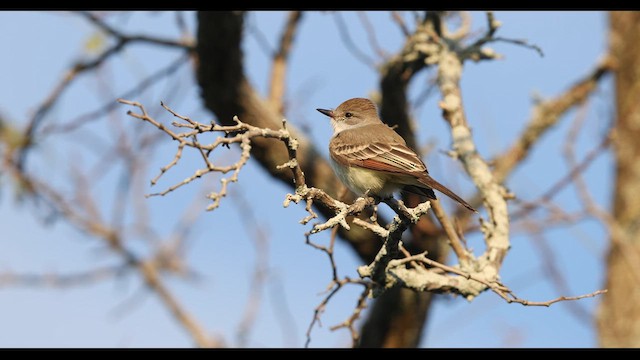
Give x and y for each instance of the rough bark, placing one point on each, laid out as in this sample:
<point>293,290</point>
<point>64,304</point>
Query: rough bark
<point>619,313</point>
<point>397,319</point>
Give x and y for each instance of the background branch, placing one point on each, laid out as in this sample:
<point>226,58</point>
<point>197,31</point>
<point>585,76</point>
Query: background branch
<point>278,68</point>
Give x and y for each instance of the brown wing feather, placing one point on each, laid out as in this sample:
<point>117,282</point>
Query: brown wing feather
<point>389,154</point>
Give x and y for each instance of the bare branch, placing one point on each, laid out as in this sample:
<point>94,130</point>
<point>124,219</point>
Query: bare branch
<point>496,230</point>
<point>82,67</point>
<point>61,280</point>
<point>467,288</point>
<point>545,115</point>
<point>260,39</point>
<point>186,44</point>
<point>377,270</point>
<point>371,34</point>
<point>401,24</point>
<point>556,276</point>
<point>261,241</point>
<point>463,30</point>
<point>454,240</point>
<point>569,178</point>
<point>350,322</point>
<point>147,269</point>
<point>477,52</point>
<point>111,105</point>
<point>343,30</point>
<point>558,299</point>
<point>243,135</point>
<point>334,287</point>
<point>279,66</point>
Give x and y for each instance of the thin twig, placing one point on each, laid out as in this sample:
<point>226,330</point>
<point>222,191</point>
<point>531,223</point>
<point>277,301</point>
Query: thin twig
<point>371,34</point>
<point>147,269</point>
<point>343,30</point>
<point>501,290</point>
<point>349,323</point>
<point>545,115</point>
<point>186,44</point>
<point>397,18</point>
<point>96,114</point>
<point>460,251</point>
<point>556,276</point>
<point>81,67</point>
<point>243,135</point>
<point>54,280</point>
<point>568,179</point>
<point>334,287</point>
<point>261,241</point>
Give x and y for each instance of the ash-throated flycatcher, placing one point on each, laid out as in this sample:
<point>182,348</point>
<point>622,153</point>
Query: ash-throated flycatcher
<point>368,155</point>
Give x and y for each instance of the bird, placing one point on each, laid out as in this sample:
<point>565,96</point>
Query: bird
<point>369,157</point>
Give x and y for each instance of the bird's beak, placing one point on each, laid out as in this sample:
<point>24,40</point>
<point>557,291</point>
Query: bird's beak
<point>329,113</point>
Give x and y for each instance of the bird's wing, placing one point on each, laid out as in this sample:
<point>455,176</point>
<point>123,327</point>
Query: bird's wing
<point>388,156</point>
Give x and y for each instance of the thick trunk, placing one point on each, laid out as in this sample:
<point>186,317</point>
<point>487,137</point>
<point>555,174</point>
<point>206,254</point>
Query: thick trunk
<point>619,313</point>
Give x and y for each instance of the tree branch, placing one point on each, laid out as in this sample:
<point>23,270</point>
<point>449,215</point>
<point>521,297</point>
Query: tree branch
<point>546,114</point>
<point>279,67</point>
<point>148,269</point>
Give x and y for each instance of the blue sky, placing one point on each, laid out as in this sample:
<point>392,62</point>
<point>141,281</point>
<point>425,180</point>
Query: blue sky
<point>498,99</point>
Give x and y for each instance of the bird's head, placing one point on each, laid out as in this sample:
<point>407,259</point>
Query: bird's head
<point>353,112</point>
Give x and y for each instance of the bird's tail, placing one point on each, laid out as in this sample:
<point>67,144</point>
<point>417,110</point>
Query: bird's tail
<point>430,182</point>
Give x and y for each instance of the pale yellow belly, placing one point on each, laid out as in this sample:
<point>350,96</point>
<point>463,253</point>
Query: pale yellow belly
<point>360,180</point>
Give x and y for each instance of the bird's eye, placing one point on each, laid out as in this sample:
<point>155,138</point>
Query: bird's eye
<point>348,114</point>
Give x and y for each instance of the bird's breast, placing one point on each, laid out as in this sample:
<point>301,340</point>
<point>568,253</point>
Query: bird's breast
<point>360,180</point>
